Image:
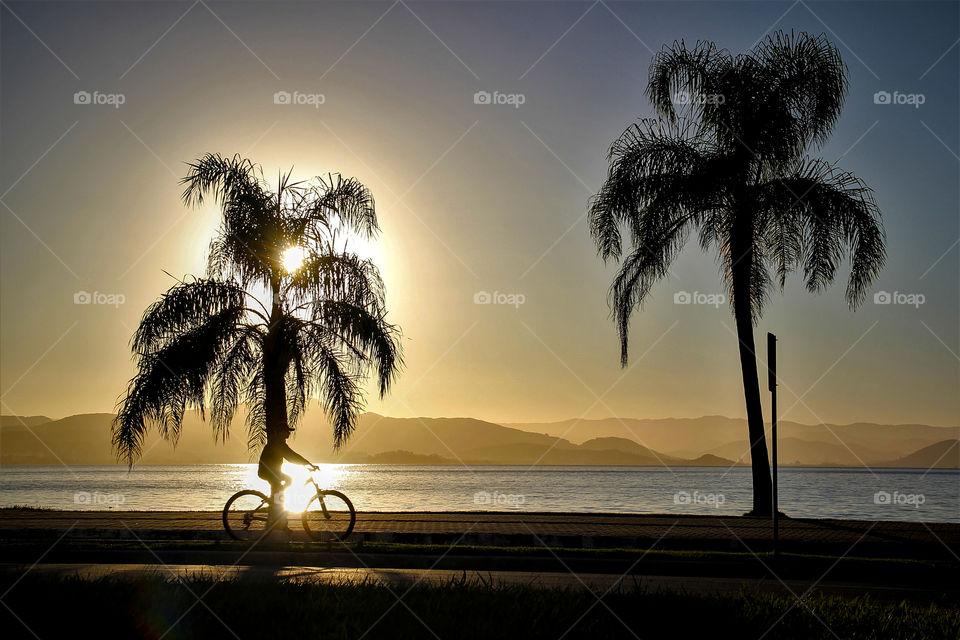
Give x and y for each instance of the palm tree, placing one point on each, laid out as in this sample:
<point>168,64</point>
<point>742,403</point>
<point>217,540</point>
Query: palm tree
<point>285,311</point>
<point>730,162</point>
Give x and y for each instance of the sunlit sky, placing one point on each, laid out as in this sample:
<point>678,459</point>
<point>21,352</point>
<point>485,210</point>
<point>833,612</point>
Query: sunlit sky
<point>471,197</point>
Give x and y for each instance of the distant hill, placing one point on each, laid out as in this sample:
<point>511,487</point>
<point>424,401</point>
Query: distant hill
<point>941,455</point>
<point>617,444</point>
<point>708,460</point>
<point>794,451</point>
<point>18,421</point>
<point>803,444</point>
<point>396,457</point>
<point>471,441</point>
<point>672,435</point>
<point>85,439</point>
<point>443,436</point>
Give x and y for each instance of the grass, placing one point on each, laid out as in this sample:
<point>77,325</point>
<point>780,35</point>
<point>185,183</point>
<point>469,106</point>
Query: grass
<point>27,507</point>
<point>458,609</point>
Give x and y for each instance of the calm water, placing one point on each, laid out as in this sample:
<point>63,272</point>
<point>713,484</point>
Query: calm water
<point>847,493</point>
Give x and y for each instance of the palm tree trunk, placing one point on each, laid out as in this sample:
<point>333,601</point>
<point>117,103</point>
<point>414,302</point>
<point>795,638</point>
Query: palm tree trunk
<point>275,410</point>
<point>275,397</point>
<point>759,463</point>
<point>275,392</point>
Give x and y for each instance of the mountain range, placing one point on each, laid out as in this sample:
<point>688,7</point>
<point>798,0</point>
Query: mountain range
<point>705,441</point>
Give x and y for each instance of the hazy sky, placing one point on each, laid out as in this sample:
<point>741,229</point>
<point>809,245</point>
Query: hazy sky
<point>472,197</point>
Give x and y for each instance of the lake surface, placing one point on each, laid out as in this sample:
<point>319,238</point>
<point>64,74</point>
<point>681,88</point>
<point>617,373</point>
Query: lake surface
<point>932,496</point>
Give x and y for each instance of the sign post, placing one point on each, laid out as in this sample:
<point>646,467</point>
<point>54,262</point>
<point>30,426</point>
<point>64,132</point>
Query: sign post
<point>772,384</point>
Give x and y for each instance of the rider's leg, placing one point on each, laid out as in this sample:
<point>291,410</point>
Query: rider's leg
<point>276,501</point>
<point>278,513</point>
<point>285,481</point>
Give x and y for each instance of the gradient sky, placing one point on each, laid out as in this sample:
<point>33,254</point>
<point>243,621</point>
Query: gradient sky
<point>471,197</point>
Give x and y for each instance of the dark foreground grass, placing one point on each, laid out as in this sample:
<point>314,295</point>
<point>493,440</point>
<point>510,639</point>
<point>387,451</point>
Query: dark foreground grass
<point>153,607</point>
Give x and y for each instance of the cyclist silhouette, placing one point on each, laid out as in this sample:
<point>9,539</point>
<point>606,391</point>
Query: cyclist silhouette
<point>271,460</point>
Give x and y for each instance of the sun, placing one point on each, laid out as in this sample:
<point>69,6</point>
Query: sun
<point>292,258</point>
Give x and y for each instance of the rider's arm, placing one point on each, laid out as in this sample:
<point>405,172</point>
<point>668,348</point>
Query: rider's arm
<point>295,457</point>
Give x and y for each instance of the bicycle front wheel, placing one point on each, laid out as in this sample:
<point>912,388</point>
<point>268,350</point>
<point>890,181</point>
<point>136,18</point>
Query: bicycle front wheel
<point>329,517</point>
<point>246,514</point>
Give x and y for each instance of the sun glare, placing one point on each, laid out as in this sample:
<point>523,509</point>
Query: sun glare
<point>299,494</point>
<point>292,258</point>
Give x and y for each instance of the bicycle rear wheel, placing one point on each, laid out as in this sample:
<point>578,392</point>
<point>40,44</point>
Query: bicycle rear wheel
<point>329,517</point>
<point>246,515</point>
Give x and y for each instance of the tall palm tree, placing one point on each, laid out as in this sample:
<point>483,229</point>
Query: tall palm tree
<point>727,158</point>
<point>285,311</point>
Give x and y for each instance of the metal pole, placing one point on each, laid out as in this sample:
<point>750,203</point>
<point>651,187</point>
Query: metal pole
<point>772,380</point>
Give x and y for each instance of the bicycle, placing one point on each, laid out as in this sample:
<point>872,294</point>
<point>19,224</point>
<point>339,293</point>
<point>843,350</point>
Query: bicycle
<point>328,517</point>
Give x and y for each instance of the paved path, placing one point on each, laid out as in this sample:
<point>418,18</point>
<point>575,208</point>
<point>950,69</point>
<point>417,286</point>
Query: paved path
<point>524,529</point>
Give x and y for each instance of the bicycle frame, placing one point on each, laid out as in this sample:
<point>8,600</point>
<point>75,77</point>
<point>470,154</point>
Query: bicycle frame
<point>310,480</point>
<point>250,516</point>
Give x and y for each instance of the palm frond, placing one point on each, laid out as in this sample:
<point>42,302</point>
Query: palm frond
<point>656,172</point>
<point>677,69</point>
<point>808,72</point>
<point>336,202</point>
<point>182,308</point>
<point>365,333</point>
<point>226,179</point>
<point>644,267</point>
<point>170,379</point>
<point>337,276</point>
<point>819,214</point>
<point>233,375</point>
<point>341,396</point>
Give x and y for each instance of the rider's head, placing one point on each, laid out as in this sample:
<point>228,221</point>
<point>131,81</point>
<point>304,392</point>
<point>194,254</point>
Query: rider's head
<point>289,431</point>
